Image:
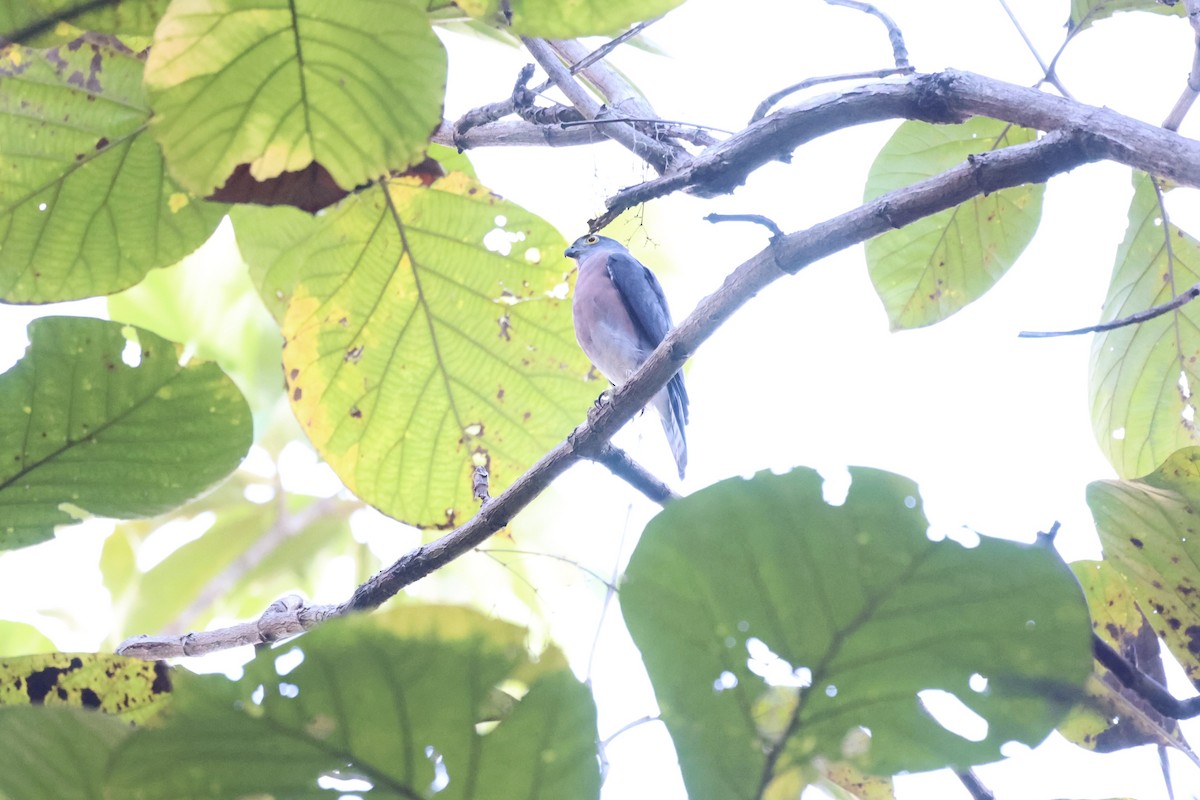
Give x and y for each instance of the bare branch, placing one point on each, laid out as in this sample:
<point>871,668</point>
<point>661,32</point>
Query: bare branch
<point>987,172</point>
<point>1048,74</point>
<point>899,51</point>
<point>1133,319</point>
<point>1192,89</point>
<point>633,473</point>
<point>657,154</point>
<point>757,219</point>
<point>1142,684</point>
<point>943,97</point>
<point>769,103</point>
<point>285,527</point>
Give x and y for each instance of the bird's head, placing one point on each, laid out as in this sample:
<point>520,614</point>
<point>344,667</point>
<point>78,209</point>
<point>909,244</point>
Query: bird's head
<point>592,243</point>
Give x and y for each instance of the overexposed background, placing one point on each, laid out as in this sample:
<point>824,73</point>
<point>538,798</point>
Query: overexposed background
<point>995,429</point>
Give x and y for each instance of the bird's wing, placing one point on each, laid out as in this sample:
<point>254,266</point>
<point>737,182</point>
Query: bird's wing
<point>642,295</point>
<point>650,314</point>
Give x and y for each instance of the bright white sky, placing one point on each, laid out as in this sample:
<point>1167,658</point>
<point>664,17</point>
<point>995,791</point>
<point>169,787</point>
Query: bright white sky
<point>995,430</point>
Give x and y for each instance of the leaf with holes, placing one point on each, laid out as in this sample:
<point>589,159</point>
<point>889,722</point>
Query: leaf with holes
<point>427,331</point>
<point>778,630</point>
<point>86,207</point>
<point>1085,13</point>
<point>1149,531</point>
<point>417,701</point>
<point>82,432</point>
<point>279,84</point>
<point>931,268</point>
<point>1143,376</point>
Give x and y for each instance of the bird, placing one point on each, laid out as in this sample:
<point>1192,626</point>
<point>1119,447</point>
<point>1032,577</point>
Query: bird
<point>621,315</point>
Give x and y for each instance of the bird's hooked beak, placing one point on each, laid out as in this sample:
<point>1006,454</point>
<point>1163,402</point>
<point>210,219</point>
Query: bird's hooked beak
<point>571,252</point>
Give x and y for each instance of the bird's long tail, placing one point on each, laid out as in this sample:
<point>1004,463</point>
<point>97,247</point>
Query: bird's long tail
<point>672,406</point>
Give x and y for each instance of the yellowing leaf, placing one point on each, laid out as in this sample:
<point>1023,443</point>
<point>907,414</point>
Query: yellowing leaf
<point>931,268</point>
<point>278,84</point>
<point>427,331</point>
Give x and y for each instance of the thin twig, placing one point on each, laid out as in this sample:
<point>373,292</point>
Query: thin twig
<point>974,785</point>
<point>648,120</point>
<point>1133,319</point>
<point>899,51</point>
<point>1047,70</point>
<point>769,103</point>
<point>757,219</point>
<point>479,485</point>
<point>603,50</point>
<point>633,473</point>
<point>657,154</point>
<point>491,551</point>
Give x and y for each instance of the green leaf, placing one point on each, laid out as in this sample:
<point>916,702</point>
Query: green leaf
<point>130,688</point>
<point>1148,529</point>
<point>1113,717</point>
<point>131,17</point>
<point>931,268</point>
<point>18,639</point>
<point>564,19</point>
<point>279,84</point>
<point>60,753</point>
<point>86,207</point>
<point>413,351</point>
<point>776,628</point>
<point>208,303</point>
<point>1143,376</point>
<point>81,432</point>
<point>377,700</point>
<point>1086,12</point>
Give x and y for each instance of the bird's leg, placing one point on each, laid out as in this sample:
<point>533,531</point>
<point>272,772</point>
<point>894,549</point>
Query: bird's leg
<point>604,399</point>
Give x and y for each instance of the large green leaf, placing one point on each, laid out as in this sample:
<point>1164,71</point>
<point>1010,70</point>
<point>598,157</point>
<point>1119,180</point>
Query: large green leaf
<point>1148,529</point>
<point>127,17</point>
<point>60,753</point>
<point>279,84</point>
<point>413,351</point>
<point>391,702</point>
<point>1143,376</point>
<point>563,19</point>
<point>931,268</point>
<point>83,432</point>
<point>778,629</point>
<point>85,205</point>
<point>1086,12</point>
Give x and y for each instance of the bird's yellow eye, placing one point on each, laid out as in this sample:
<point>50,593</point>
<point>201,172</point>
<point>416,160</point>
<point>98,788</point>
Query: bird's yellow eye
<point>592,239</point>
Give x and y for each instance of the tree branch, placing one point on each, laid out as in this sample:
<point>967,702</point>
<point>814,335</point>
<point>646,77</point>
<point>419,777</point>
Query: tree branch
<point>986,172</point>
<point>1142,684</point>
<point>43,24</point>
<point>633,473</point>
<point>657,154</point>
<point>944,97</point>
